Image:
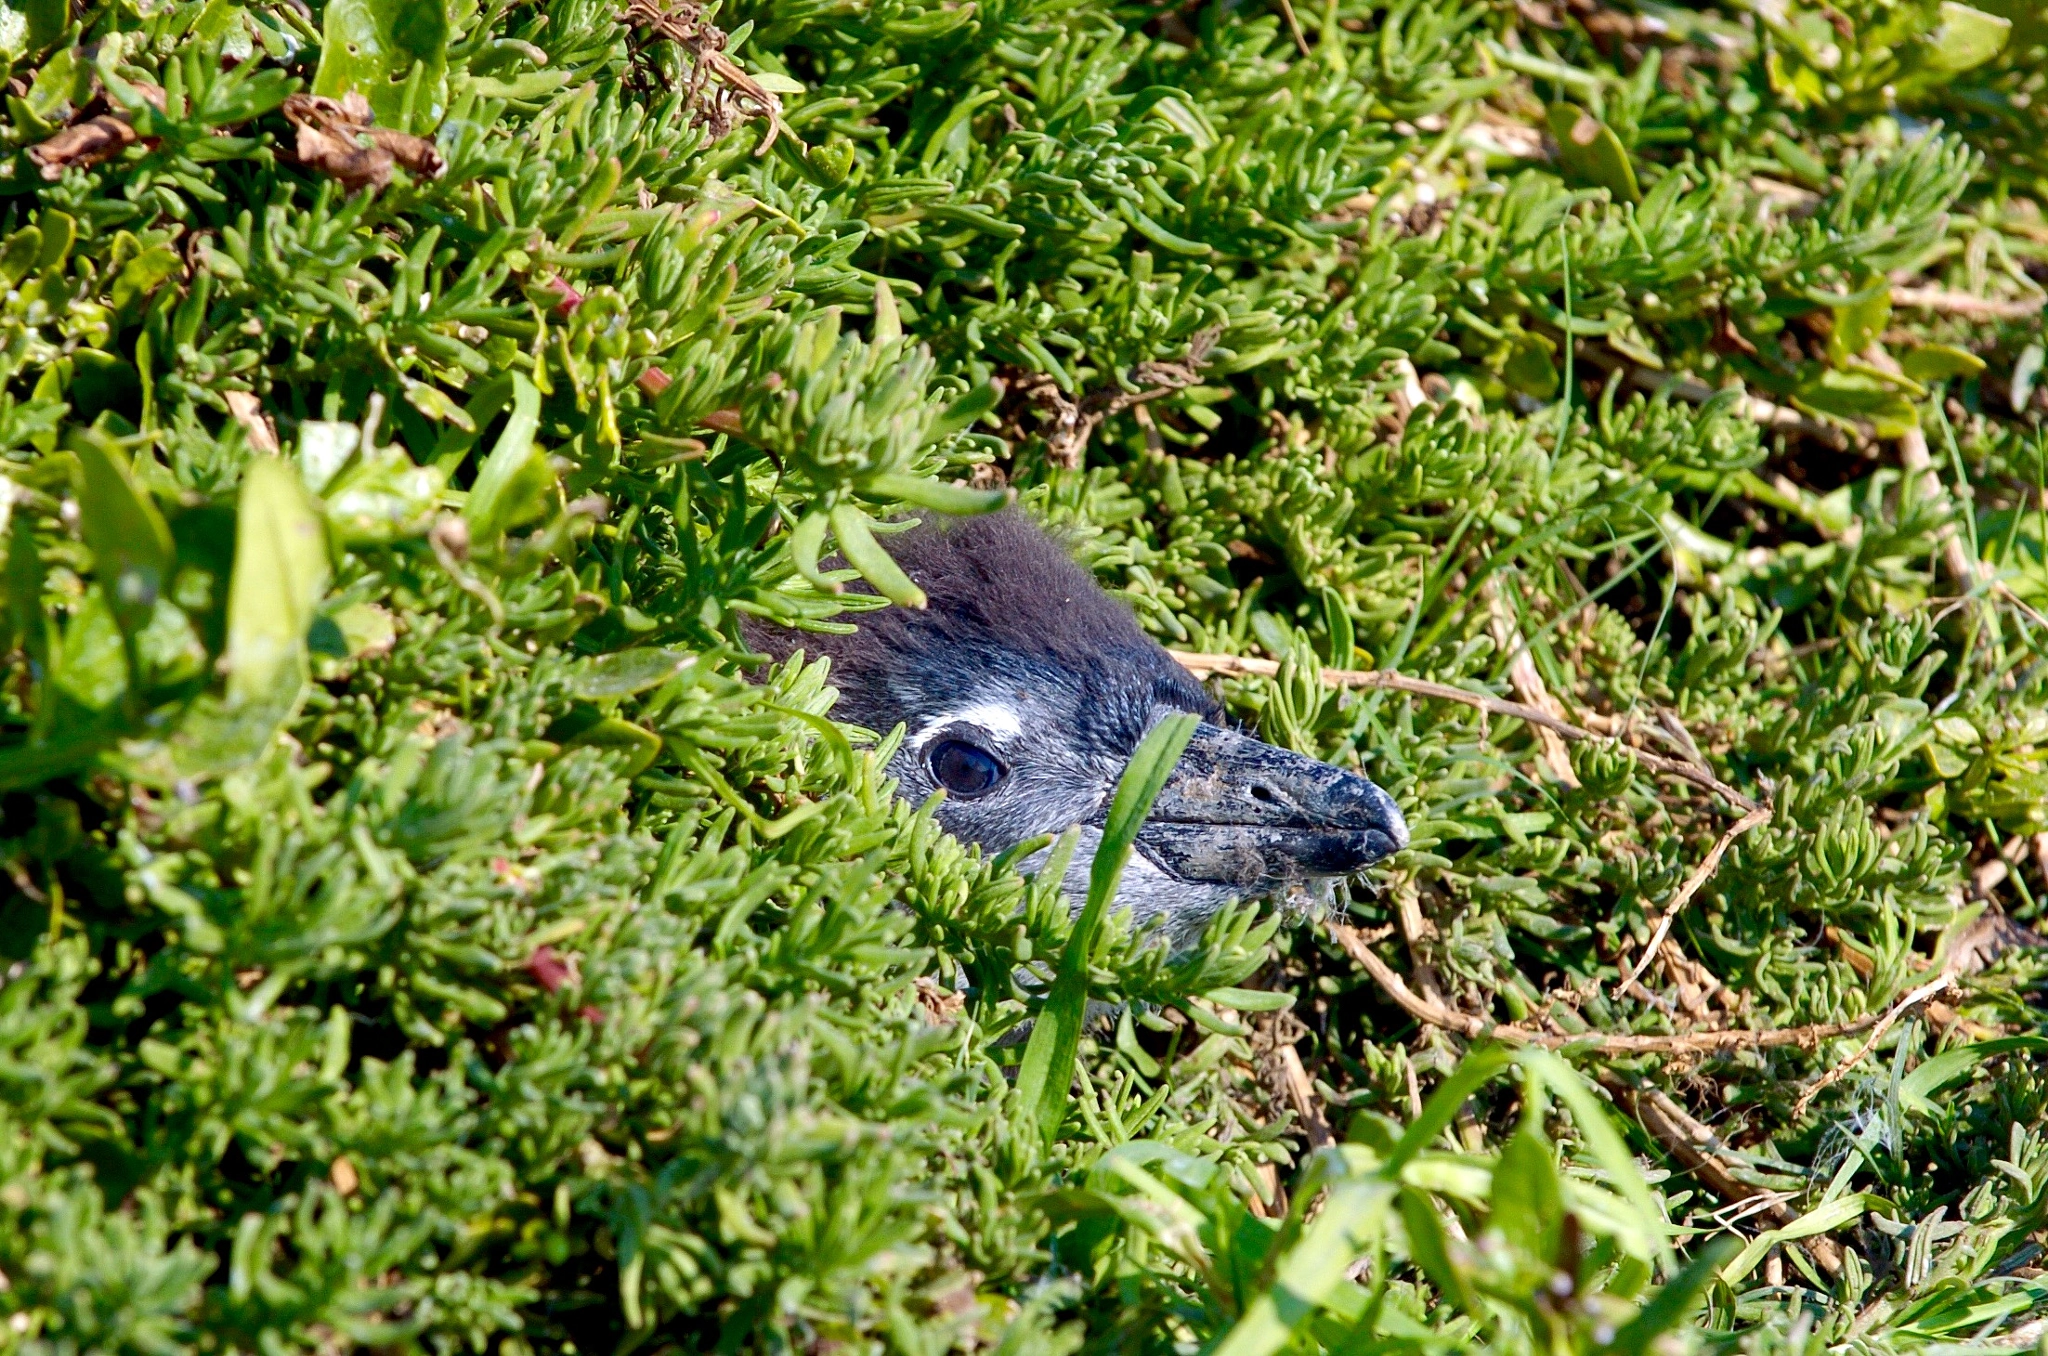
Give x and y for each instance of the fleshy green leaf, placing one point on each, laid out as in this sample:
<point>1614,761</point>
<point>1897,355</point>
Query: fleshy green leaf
<point>515,482</point>
<point>1939,362</point>
<point>130,543</point>
<point>1590,153</point>
<point>392,52</point>
<point>280,575</point>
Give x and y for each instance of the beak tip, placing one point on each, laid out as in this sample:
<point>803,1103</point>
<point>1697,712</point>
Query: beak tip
<point>1396,825</point>
<point>1248,815</point>
<point>1362,805</point>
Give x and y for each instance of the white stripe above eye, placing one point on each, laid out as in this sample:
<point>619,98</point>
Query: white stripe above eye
<point>996,720</point>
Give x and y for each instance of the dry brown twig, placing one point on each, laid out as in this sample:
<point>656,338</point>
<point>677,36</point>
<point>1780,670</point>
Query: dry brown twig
<point>1526,679</point>
<point>1699,877</point>
<point>1474,1027</point>
<point>257,426</point>
<point>1879,1024</point>
<point>1241,666</point>
<point>738,96</point>
<point>1969,575</point>
<point>1074,421</point>
<point>1701,1152</point>
<point>1951,302</point>
<point>1286,1077</point>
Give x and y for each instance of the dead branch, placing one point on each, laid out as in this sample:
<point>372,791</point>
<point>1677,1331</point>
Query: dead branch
<point>1526,679</point>
<point>1286,1077</point>
<point>738,95</point>
<point>1702,1154</point>
<point>1074,421</point>
<point>257,427</point>
<point>1879,1025</point>
<point>1473,1027</point>
<point>1700,876</point>
<point>1241,666</point>
<point>1951,302</point>
<point>1913,455</point>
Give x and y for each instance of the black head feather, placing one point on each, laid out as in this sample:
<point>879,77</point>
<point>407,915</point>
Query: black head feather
<point>1008,607</point>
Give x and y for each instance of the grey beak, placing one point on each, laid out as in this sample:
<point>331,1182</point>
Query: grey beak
<point>1241,813</point>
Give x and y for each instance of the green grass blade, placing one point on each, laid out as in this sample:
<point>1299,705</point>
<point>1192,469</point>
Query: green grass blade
<point>1672,1304</point>
<point>1048,1065</point>
<point>1596,1130</point>
<point>1442,1107</point>
<point>1354,1214</point>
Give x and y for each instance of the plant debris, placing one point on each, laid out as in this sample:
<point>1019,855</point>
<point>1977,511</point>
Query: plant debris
<point>339,138</point>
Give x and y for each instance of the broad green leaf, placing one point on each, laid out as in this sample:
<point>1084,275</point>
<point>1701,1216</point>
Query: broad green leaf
<point>393,53</point>
<point>1472,1073</point>
<point>43,22</point>
<point>325,447</point>
<point>102,381</point>
<point>365,629</point>
<point>626,672</point>
<point>382,498</point>
<point>1966,38</point>
<point>1048,1065</point>
<point>18,258</point>
<point>1530,368</point>
<point>144,273</point>
<point>1353,1216</point>
<point>1429,1247</point>
<point>1858,324</point>
<point>1590,153</point>
<point>1528,1204</point>
<point>60,231</point>
<point>130,543</point>
<point>28,765</point>
<point>280,574</point>
<point>829,163</point>
<point>514,483</point>
<point>1852,398</point>
<point>1917,1089</point>
<point>64,81</point>
<point>92,667</point>
<point>1939,362</point>
<point>1608,1148</point>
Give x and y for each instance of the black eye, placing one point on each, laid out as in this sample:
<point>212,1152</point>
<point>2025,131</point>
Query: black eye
<point>964,770</point>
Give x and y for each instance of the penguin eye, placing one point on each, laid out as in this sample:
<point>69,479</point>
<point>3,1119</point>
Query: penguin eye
<point>965,770</point>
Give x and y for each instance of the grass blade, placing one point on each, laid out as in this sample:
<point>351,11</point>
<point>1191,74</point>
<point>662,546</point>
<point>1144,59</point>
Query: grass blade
<point>1048,1065</point>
